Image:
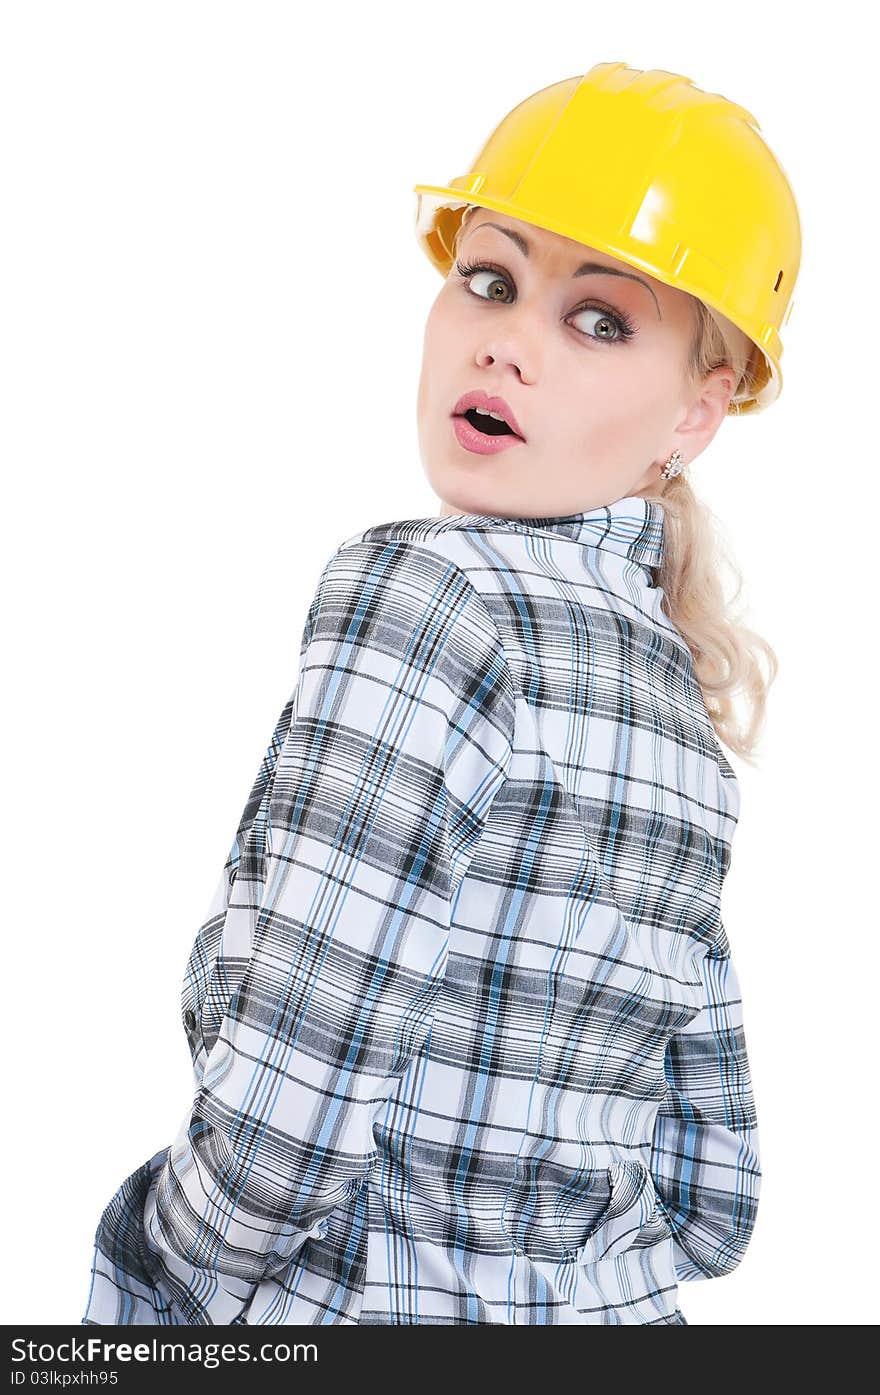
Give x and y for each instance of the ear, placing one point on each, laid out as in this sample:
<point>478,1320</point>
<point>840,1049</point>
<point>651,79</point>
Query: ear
<point>706,411</point>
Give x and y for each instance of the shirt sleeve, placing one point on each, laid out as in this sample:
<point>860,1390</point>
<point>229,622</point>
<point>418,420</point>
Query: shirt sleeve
<point>705,1145</point>
<point>219,954</point>
<point>400,740</point>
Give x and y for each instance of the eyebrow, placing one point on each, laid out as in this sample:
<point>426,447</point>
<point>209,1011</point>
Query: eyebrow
<point>585,269</point>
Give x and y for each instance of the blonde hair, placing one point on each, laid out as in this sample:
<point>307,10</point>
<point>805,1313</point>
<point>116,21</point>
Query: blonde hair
<point>725,651</point>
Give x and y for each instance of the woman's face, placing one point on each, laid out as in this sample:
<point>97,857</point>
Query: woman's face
<point>590,362</point>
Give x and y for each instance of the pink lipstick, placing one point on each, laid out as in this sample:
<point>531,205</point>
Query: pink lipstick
<point>485,425</point>
<point>477,441</point>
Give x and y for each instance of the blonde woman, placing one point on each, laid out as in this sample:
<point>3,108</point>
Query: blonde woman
<point>467,1038</point>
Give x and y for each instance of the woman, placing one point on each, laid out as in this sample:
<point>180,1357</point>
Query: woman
<point>467,1038</point>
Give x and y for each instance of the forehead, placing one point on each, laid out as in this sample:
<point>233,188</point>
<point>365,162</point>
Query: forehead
<point>530,239</point>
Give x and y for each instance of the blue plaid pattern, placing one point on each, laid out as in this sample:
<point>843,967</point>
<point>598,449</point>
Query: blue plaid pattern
<point>466,1035</point>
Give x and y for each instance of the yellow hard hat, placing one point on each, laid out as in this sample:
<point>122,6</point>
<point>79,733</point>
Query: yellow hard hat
<point>655,172</point>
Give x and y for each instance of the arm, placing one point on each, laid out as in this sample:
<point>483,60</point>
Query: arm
<point>705,1148</point>
<point>401,739</point>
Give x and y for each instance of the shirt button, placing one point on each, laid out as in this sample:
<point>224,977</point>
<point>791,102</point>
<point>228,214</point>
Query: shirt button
<point>189,1020</point>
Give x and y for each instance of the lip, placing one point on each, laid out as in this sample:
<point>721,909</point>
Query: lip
<point>488,404</point>
<point>478,443</point>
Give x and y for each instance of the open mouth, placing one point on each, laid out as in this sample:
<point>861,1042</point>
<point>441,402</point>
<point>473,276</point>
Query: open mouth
<point>486,422</point>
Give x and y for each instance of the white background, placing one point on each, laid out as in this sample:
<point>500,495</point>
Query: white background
<point>211,322</point>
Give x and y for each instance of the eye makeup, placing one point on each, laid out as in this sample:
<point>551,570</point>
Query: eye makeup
<point>625,325</point>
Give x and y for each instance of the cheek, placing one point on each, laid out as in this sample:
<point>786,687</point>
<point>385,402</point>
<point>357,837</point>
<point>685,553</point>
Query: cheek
<point>606,411</point>
<point>441,352</point>
<point>437,341</point>
<point>620,386</point>
<point>587,392</point>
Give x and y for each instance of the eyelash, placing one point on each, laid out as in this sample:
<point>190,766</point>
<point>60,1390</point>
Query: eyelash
<point>625,325</point>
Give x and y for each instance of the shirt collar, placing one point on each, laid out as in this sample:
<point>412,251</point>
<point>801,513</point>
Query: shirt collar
<point>631,526</point>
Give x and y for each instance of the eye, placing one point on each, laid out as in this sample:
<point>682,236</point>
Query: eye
<point>479,273</point>
<point>612,327</point>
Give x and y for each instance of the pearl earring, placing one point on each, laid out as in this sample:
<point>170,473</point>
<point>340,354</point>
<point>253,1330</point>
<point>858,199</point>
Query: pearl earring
<point>673,466</point>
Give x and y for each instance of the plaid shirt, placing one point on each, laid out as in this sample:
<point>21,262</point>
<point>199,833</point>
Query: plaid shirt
<point>466,1034</point>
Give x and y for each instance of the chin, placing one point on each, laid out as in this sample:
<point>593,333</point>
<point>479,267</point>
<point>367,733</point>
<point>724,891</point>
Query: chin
<point>458,500</point>
<point>469,485</point>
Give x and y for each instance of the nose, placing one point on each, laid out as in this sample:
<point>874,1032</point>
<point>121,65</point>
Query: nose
<point>506,350</point>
